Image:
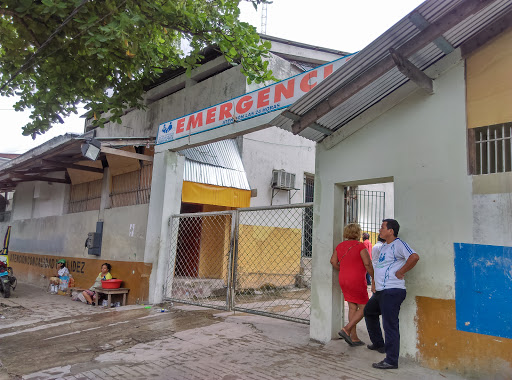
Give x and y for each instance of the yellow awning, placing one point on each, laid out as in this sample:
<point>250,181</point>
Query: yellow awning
<point>215,195</point>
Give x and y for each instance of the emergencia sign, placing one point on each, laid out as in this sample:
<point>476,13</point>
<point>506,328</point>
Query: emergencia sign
<point>267,99</point>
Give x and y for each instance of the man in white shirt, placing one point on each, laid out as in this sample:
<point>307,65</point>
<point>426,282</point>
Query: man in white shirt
<point>394,260</point>
<point>376,249</point>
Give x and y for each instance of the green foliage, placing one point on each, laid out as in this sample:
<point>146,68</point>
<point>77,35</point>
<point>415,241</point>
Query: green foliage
<point>110,49</point>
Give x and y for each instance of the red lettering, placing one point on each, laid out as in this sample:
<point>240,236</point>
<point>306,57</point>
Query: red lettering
<point>225,111</point>
<point>304,83</point>
<point>244,104</point>
<point>180,125</point>
<point>327,71</point>
<point>287,92</point>
<point>195,120</point>
<point>263,98</point>
<point>210,115</point>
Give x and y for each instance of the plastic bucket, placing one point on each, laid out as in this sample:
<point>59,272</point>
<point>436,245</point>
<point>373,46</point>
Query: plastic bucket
<point>111,284</point>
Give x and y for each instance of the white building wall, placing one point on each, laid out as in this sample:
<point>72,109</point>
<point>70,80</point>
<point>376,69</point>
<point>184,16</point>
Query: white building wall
<point>49,199</point>
<point>23,201</point>
<point>39,199</point>
<point>432,192</point>
<point>274,148</point>
<point>492,209</point>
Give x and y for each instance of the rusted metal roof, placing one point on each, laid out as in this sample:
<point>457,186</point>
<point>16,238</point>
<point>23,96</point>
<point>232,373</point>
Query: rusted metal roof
<point>378,51</point>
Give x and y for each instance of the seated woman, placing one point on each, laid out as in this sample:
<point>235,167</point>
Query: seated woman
<point>90,294</point>
<point>62,279</point>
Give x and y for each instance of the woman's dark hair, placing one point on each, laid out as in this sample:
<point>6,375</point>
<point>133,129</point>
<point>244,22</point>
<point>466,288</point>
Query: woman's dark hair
<point>392,224</point>
<point>109,267</point>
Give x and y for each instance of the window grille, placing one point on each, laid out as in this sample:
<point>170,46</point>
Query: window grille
<point>85,196</point>
<point>366,208</point>
<point>132,188</point>
<point>309,190</point>
<point>491,148</point>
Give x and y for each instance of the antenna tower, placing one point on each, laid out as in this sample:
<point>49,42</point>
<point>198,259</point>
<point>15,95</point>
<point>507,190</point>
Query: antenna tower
<point>264,18</point>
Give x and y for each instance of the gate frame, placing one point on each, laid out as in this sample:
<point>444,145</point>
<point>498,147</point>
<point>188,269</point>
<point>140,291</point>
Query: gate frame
<point>172,257</point>
<point>232,257</point>
<point>263,208</point>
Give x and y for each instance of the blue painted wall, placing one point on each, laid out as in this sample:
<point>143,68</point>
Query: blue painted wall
<point>483,289</point>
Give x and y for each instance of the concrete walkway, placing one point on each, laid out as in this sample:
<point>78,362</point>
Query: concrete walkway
<point>51,337</point>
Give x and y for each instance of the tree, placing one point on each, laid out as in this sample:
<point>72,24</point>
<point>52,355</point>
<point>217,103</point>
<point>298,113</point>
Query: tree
<point>55,54</point>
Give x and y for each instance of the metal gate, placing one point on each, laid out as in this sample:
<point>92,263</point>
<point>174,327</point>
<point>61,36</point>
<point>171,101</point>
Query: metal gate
<point>272,276</point>
<point>252,260</point>
<point>201,255</point>
<point>366,208</point>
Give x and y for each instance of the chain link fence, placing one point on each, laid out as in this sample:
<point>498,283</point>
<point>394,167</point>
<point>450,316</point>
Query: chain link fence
<point>200,261</point>
<point>251,260</point>
<point>272,275</point>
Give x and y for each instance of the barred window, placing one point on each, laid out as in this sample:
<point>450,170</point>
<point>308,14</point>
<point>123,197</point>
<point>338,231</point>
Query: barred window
<point>85,196</point>
<point>490,149</point>
<point>132,188</point>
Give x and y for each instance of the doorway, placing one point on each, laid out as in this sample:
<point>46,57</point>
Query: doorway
<point>189,242</point>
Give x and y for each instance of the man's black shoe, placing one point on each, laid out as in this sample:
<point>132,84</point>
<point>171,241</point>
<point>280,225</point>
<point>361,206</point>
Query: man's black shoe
<point>384,365</point>
<point>382,350</point>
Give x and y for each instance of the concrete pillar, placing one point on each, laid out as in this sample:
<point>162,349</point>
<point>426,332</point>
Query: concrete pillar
<point>326,296</point>
<point>167,182</point>
<point>105,192</point>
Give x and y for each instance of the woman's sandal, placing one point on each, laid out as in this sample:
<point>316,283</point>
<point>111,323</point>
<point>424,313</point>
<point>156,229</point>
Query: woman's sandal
<point>342,333</point>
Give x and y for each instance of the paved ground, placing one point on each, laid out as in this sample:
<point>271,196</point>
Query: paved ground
<point>51,337</point>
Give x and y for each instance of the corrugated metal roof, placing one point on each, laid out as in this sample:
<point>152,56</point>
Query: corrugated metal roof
<point>378,50</point>
<point>218,163</point>
<point>223,153</point>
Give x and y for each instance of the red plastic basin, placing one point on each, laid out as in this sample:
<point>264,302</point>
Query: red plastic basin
<point>111,284</point>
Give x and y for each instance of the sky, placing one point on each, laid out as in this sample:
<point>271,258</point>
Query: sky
<point>336,24</point>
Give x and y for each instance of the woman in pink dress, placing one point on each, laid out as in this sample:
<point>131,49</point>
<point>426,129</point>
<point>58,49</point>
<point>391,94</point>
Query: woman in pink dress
<point>352,260</point>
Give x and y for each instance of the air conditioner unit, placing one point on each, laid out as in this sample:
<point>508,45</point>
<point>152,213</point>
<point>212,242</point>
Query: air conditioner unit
<point>283,180</point>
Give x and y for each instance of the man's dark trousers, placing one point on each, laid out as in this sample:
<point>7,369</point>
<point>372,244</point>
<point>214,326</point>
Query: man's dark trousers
<point>386,302</point>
